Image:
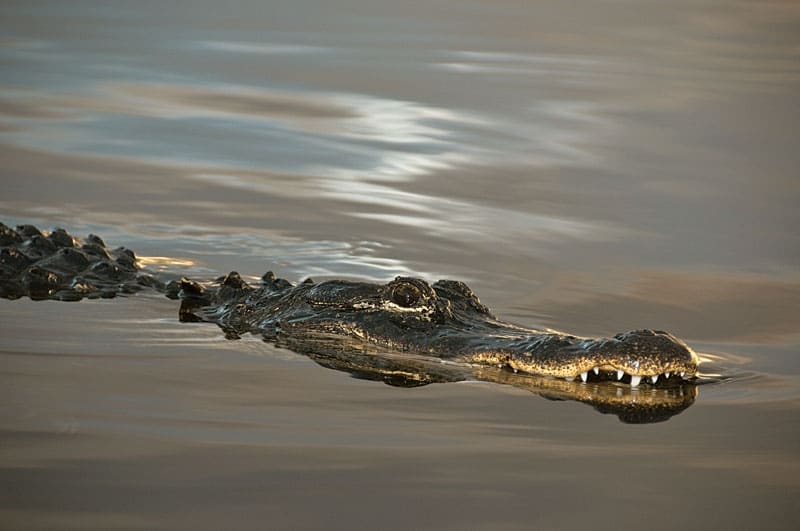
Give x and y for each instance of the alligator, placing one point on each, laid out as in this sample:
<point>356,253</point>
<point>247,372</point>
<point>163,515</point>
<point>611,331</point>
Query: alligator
<point>405,332</point>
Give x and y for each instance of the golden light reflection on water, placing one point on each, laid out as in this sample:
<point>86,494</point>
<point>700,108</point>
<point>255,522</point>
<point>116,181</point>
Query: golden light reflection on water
<point>164,263</point>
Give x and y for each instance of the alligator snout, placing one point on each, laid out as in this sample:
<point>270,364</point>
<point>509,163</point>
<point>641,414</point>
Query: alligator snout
<point>636,356</point>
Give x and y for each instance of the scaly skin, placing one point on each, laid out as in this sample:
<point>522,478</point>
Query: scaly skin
<point>57,266</point>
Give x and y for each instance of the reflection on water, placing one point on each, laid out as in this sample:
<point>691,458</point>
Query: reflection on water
<point>332,143</point>
<point>259,48</point>
<point>631,405</point>
<point>163,263</point>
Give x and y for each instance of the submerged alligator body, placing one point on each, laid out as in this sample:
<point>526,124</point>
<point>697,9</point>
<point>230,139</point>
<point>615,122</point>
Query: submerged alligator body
<point>406,332</point>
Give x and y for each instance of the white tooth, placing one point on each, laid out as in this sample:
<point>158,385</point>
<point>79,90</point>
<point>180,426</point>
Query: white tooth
<point>596,370</point>
<point>515,371</point>
<point>569,378</point>
<point>654,379</point>
<point>619,374</point>
<point>635,380</point>
<point>584,375</point>
<point>666,374</point>
<point>682,373</point>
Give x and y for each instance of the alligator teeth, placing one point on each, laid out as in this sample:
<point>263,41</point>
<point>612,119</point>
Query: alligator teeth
<point>666,374</point>
<point>682,373</point>
<point>596,370</point>
<point>584,375</point>
<point>635,380</point>
<point>620,374</point>
<point>654,379</point>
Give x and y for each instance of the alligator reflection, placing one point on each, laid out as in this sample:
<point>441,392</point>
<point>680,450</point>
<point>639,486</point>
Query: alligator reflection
<point>632,405</point>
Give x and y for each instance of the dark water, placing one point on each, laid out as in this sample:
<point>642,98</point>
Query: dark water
<point>586,166</point>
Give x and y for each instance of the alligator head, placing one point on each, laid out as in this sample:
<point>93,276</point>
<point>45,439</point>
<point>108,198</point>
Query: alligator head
<point>445,320</point>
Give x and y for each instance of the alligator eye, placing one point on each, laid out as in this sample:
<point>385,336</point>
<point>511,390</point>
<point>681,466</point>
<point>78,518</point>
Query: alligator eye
<point>406,295</point>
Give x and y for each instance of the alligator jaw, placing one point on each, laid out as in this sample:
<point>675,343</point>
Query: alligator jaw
<point>640,356</point>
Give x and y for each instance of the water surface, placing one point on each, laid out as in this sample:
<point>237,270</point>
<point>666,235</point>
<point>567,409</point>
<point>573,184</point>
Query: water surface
<point>591,167</point>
